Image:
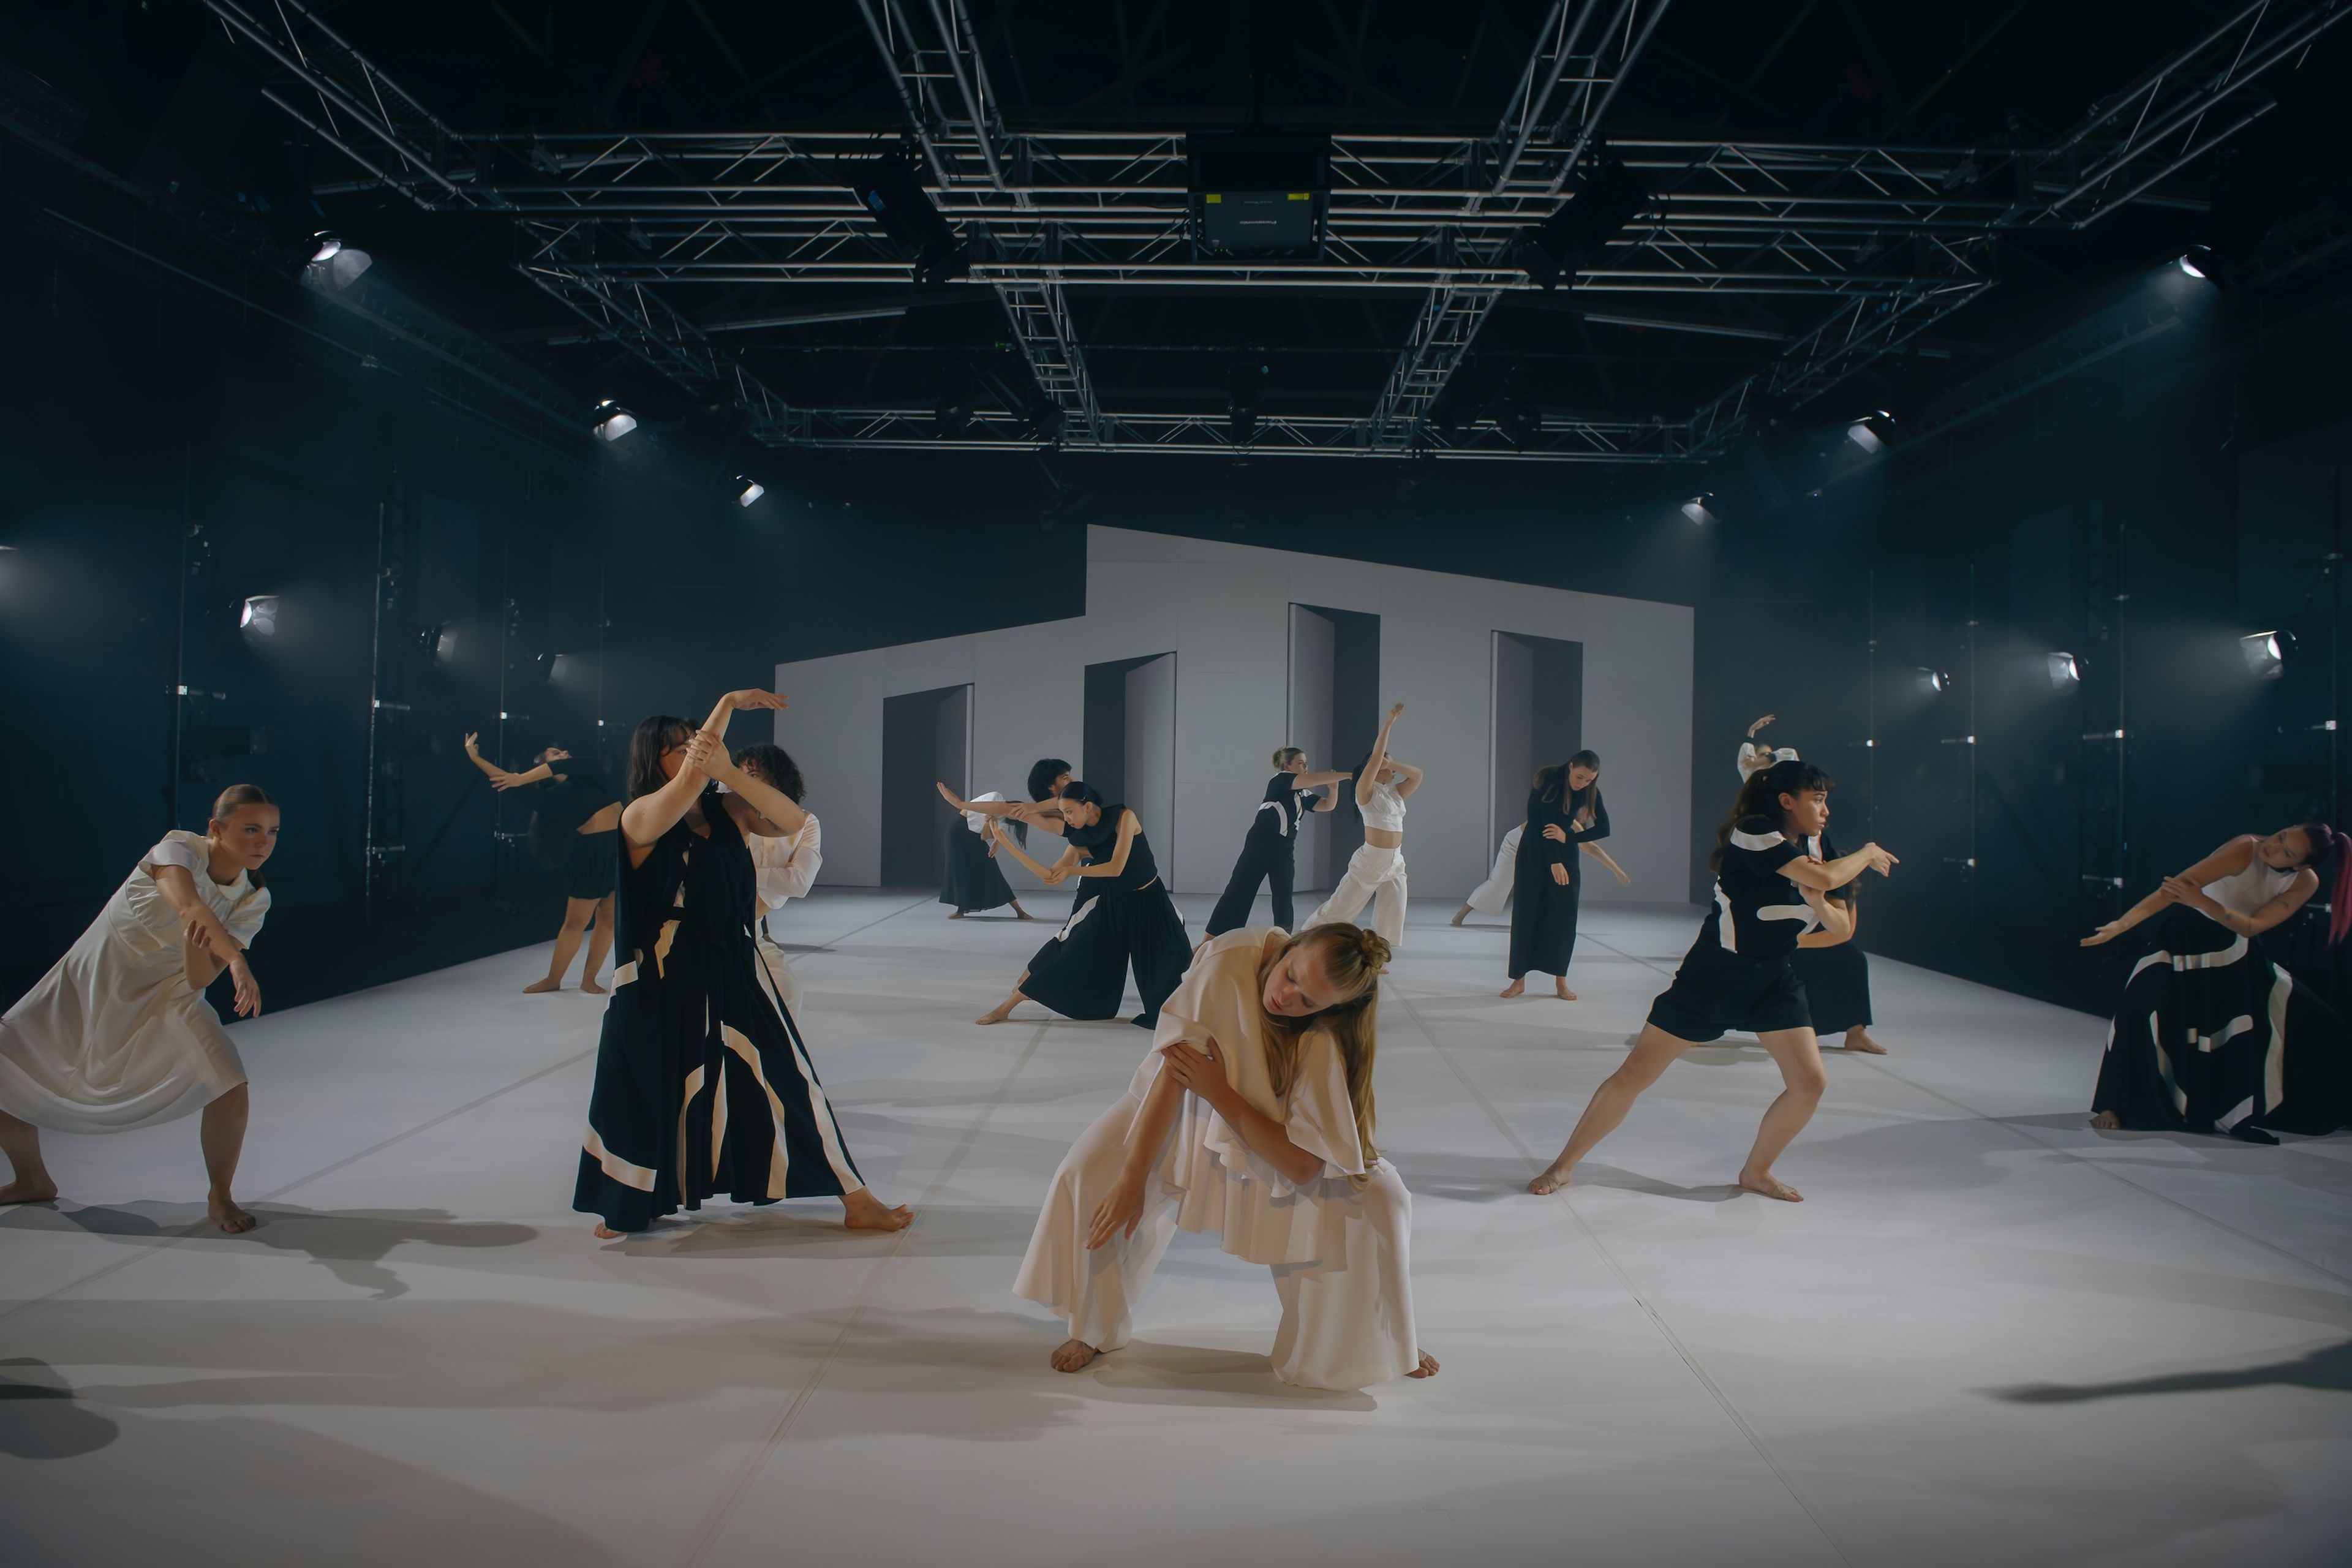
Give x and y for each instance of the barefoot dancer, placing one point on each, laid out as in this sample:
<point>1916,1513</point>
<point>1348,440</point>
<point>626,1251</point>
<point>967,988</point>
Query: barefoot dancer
<point>1376,870</point>
<point>781,867</point>
<point>1081,972</point>
<point>1270,851</point>
<point>1564,808</point>
<point>118,1034</point>
<point>574,826</point>
<point>1262,1069</point>
<point>1833,970</point>
<point>2211,1035</point>
<point>972,881</point>
<point>703,1086</point>
<point>1737,974</point>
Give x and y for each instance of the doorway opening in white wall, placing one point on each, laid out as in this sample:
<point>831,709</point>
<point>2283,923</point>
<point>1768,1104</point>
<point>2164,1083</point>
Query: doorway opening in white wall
<point>925,741</point>
<point>1538,718</point>
<point>1128,748</point>
<point>1335,716</point>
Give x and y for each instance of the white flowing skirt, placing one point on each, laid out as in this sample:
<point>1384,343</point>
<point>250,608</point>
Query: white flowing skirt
<point>1347,1317</point>
<point>1493,896</point>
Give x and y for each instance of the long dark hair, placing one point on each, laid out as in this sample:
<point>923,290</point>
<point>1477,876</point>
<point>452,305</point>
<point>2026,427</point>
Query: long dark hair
<point>653,735</point>
<point>1551,782</point>
<point>2325,841</point>
<point>1761,796</point>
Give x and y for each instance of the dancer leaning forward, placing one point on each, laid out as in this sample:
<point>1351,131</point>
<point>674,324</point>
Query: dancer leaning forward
<point>703,1085</point>
<point>1737,974</point>
<point>1250,1118</point>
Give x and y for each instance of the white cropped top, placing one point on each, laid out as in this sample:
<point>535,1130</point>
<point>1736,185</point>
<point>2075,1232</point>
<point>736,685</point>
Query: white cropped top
<point>1385,809</point>
<point>2251,888</point>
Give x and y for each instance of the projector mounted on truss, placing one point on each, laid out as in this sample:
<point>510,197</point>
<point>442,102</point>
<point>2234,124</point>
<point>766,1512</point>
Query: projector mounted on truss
<point>1259,192</point>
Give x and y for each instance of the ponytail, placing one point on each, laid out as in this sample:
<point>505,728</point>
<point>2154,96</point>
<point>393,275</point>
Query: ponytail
<point>2324,842</point>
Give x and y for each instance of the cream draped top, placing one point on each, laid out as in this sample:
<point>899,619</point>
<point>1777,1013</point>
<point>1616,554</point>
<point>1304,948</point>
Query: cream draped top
<point>1219,1183</point>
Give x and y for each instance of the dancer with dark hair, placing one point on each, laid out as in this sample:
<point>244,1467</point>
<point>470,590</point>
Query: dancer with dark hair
<point>1832,966</point>
<point>703,1085</point>
<point>1376,873</point>
<point>1081,972</point>
<point>2212,1035</point>
<point>1252,1118</point>
<point>118,1034</point>
<point>575,827</point>
<point>782,867</point>
<point>1565,812</point>
<point>1270,851</point>
<point>1737,975</point>
<point>970,882</point>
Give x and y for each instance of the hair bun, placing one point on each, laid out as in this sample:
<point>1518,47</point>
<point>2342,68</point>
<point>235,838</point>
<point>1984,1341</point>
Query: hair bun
<point>1374,947</point>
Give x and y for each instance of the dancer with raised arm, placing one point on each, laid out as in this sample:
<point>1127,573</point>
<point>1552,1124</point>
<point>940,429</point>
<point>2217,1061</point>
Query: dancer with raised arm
<point>703,1085</point>
<point>1081,972</point>
<point>1830,964</point>
<point>1270,851</point>
<point>1252,1118</point>
<point>2212,1035</point>
<point>1737,975</point>
<point>781,867</point>
<point>971,882</point>
<point>1376,870</point>
<point>575,823</point>
<point>1565,812</point>
<point>118,1034</point>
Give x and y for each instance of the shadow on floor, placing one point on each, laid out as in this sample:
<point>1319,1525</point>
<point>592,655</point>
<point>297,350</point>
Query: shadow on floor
<point>353,1244</point>
<point>41,1420</point>
<point>2328,1368</point>
<point>1484,1181</point>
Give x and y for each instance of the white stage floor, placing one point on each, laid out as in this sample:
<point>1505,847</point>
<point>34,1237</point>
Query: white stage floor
<point>1991,1336</point>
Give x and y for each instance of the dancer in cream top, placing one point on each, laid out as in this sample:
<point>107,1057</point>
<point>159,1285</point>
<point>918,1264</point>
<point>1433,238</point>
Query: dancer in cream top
<point>1375,873</point>
<point>1241,1122</point>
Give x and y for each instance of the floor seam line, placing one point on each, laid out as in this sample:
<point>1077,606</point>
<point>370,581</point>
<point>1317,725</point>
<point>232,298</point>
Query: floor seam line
<point>1797,1494</point>
<point>715,1527</point>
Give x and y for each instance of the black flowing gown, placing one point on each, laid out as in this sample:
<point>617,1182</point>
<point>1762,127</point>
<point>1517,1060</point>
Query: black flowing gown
<point>1081,972</point>
<point>703,1086</point>
<point>1543,912</point>
<point>971,879</point>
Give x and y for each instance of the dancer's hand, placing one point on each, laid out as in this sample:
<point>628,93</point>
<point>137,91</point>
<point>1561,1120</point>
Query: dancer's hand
<point>248,991</point>
<point>752,698</point>
<point>556,755</point>
<point>1396,713</point>
<point>471,736</point>
<point>2181,891</point>
<point>1555,832</point>
<point>1760,724</point>
<point>1880,860</point>
<point>958,801</point>
<point>1622,879</point>
<point>707,754</point>
<point>1055,875</point>
<point>1559,875</point>
<point>503,781</point>
<point>1200,1069</point>
<point>2105,933</point>
<point>1120,1212</point>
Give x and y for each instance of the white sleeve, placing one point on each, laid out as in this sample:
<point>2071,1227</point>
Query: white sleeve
<point>244,921</point>
<point>779,873</point>
<point>173,852</point>
<point>798,874</point>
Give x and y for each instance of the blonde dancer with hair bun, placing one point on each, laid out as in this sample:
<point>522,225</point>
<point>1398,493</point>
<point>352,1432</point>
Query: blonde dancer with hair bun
<point>1251,1119</point>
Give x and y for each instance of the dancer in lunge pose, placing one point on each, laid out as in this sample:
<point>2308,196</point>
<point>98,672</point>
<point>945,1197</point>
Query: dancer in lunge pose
<point>2212,1035</point>
<point>781,867</point>
<point>1493,896</point>
<point>575,824</point>
<point>118,1034</point>
<point>971,880</point>
<point>1737,975</point>
<point>1564,812</point>
<point>1270,851</point>
<point>1833,968</point>
<point>1251,1117</point>
<point>1081,972</point>
<point>703,1086</point>
<point>1376,870</point>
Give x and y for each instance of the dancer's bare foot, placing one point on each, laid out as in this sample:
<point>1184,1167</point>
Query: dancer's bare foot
<point>540,987</point>
<point>955,914</point>
<point>606,1233</point>
<point>1458,916</point>
<point>29,1190</point>
<point>591,987</point>
<point>1858,1040</point>
<point>1072,1355</point>
<point>1020,913</point>
<point>1768,1185</point>
<point>861,1210</point>
<point>1428,1367</point>
<point>2105,1121</point>
<point>1559,989</point>
<point>225,1212</point>
<point>996,1014</point>
<point>1550,1182</point>
<point>1517,988</point>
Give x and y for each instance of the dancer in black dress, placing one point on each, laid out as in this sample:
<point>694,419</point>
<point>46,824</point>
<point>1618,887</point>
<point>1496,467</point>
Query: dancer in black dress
<point>574,829</point>
<point>969,880</point>
<point>1082,971</point>
<point>703,1085</point>
<point>2212,1035</point>
<point>1737,975</point>
<point>1269,854</point>
<point>1835,970</point>
<point>1564,812</point>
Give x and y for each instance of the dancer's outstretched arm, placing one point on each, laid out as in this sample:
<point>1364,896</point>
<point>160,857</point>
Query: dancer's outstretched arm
<point>649,816</point>
<point>706,753</point>
<point>1317,781</point>
<point>2227,861</point>
<point>1122,1208</point>
<point>1601,855</point>
<point>1824,875</point>
<point>1051,876</point>
<point>2298,893</point>
<point>1410,782</point>
<point>1380,757</point>
<point>495,772</point>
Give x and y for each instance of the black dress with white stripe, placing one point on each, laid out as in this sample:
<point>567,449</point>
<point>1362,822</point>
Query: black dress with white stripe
<point>1837,977</point>
<point>703,1086</point>
<point>1269,855</point>
<point>1737,974</point>
<point>1081,972</point>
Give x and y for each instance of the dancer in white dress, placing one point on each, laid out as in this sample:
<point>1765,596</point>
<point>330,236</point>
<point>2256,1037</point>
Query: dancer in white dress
<point>118,1034</point>
<point>1376,870</point>
<point>1251,1118</point>
<point>783,867</point>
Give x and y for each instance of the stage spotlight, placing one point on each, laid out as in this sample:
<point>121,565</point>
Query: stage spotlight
<point>324,246</point>
<point>562,667</point>
<point>1870,431</point>
<point>2265,653</point>
<point>2198,262</point>
<point>441,641</point>
<point>1932,681</point>
<point>2066,670</point>
<point>1574,237</point>
<point>612,421</point>
<point>752,490</point>
<point>891,188</point>
<point>1695,509</point>
<point>259,616</point>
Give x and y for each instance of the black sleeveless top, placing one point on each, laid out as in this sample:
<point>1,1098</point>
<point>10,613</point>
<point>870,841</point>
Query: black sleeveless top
<point>1101,841</point>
